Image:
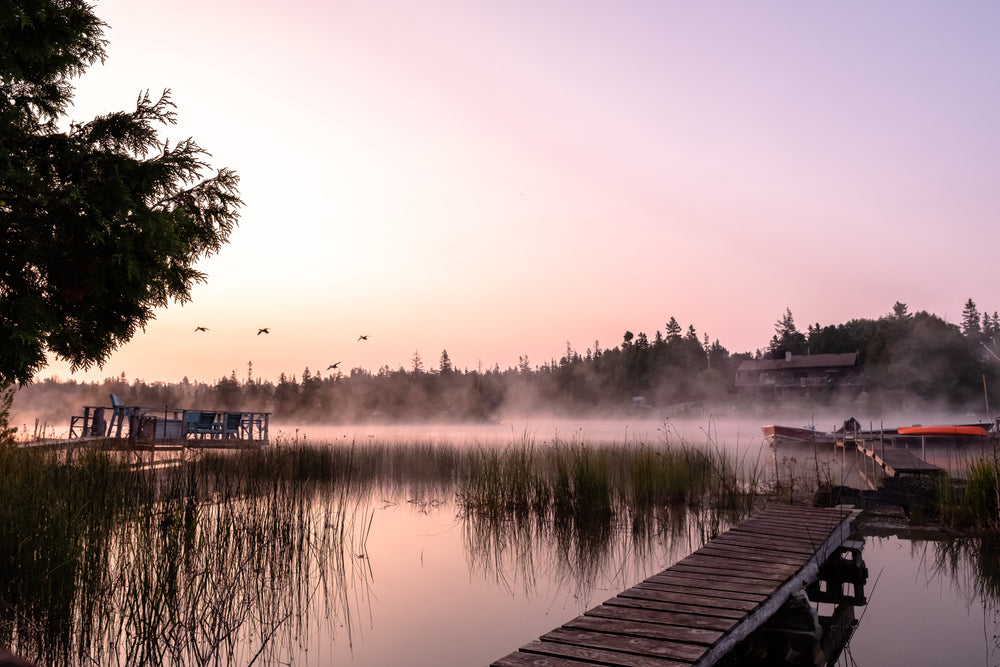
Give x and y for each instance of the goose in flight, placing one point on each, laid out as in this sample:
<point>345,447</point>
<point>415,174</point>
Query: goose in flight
<point>363,337</point>
<point>201,328</point>
<point>266,330</point>
<point>333,365</point>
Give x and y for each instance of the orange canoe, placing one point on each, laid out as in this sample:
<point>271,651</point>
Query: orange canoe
<point>942,430</point>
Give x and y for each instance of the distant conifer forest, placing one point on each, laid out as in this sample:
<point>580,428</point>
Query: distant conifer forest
<point>904,357</point>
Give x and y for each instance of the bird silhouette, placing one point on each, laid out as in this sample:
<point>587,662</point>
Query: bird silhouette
<point>333,365</point>
<point>266,330</point>
<point>363,337</point>
<point>201,328</point>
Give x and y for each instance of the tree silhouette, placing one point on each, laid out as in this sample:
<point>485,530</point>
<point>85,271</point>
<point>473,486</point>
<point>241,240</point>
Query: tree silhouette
<point>786,337</point>
<point>102,223</point>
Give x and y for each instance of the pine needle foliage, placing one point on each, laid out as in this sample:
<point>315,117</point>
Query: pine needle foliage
<point>101,223</point>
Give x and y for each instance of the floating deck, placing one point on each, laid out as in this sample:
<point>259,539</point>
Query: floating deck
<point>696,611</point>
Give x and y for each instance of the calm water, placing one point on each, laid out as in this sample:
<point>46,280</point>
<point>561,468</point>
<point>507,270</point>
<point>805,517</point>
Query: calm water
<point>418,584</point>
<point>438,593</point>
<point>923,611</point>
<point>926,605</point>
<point>433,596</point>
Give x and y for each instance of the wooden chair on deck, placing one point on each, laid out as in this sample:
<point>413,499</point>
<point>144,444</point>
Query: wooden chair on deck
<point>201,423</point>
<point>231,423</point>
<point>119,413</point>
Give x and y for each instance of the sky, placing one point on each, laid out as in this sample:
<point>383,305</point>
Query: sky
<point>504,179</point>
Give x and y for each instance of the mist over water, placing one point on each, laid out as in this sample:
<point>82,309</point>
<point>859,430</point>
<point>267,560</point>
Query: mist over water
<point>536,431</point>
<point>488,589</point>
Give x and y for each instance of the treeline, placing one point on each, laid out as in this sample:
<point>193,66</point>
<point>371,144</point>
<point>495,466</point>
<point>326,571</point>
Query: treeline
<point>910,356</point>
<point>904,357</point>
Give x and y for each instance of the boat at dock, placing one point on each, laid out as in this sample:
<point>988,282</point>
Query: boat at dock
<point>796,435</point>
<point>936,433</point>
<point>947,430</point>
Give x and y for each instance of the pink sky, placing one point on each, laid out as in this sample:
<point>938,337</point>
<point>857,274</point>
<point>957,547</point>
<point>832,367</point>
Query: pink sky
<point>500,178</point>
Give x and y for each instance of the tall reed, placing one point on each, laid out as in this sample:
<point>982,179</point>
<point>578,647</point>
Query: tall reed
<point>219,560</point>
<point>580,484</point>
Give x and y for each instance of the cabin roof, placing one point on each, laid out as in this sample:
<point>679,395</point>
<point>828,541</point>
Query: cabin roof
<point>843,360</point>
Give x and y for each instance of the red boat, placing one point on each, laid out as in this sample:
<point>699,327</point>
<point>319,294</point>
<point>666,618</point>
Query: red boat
<point>970,430</point>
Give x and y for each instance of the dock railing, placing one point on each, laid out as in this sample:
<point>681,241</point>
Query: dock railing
<point>167,423</point>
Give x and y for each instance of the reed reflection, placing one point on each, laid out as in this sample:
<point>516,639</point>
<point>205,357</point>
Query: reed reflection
<point>242,557</point>
<point>213,563</point>
<point>576,515</point>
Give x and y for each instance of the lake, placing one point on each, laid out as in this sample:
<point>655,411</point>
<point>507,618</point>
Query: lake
<point>439,599</point>
<point>430,592</point>
<point>412,579</point>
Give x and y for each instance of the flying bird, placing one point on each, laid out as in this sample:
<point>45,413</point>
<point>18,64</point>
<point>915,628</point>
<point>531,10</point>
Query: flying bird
<point>363,337</point>
<point>333,365</point>
<point>201,328</point>
<point>266,330</point>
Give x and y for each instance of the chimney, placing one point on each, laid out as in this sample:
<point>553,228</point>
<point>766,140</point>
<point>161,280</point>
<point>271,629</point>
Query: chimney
<point>788,355</point>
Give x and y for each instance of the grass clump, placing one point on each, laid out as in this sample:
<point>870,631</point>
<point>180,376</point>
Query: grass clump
<point>971,504</point>
<point>580,484</point>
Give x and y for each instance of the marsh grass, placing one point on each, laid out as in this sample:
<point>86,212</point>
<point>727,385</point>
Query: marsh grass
<point>578,485</point>
<point>221,560</point>
<point>971,504</point>
<point>204,565</point>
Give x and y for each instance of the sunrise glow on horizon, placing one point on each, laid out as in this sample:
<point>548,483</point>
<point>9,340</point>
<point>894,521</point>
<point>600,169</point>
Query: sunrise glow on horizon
<point>504,179</point>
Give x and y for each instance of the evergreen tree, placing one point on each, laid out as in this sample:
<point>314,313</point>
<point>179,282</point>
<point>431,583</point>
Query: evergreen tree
<point>102,223</point>
<point>786,337</point>
<point>673,329</point>
<point>970,321</point>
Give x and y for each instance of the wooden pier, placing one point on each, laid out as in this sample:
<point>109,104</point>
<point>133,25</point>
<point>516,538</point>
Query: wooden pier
<point>880,459</point>
<point>696,611</point>
<point>896,461</point>
<point>163,426</point>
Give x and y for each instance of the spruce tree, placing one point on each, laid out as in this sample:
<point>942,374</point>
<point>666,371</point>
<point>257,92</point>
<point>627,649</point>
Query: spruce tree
<point>101,223</point>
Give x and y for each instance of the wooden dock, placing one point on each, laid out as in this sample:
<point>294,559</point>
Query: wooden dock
<point>167,424</point>
<point>698,610</point>
<point>888,459</point>
<point>896,461</point>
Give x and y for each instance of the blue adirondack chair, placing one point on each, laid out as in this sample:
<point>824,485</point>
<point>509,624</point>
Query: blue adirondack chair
<point>119,413</point>
<point>231,425</point>
<point>201,423</point>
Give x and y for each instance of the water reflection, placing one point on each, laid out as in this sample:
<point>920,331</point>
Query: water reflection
<point>931,602</point>
<point>197,568</point>
<point>385,566</point>
<point>526,556</point>
<point>280,555</point>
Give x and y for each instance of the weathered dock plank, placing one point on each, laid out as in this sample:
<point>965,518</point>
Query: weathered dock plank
<point>645,599</point>
<point>658,616</point>
<point>697,610</point>
<point>550,650</point>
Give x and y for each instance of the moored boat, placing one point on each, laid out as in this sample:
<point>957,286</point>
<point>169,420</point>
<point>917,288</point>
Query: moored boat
<point>797,435</point>
<point>946,430</point>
